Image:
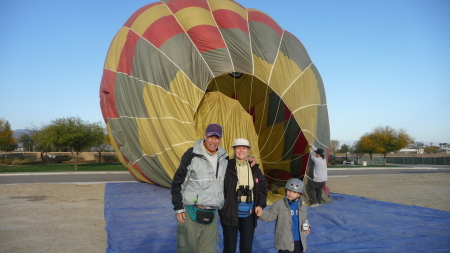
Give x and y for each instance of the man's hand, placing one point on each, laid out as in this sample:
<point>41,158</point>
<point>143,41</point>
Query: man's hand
<point>181,217</point>
<point>258,211</point>
<point>252,161</point>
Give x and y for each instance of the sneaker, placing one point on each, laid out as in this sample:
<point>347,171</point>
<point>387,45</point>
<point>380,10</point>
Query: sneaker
<point>314,205</point>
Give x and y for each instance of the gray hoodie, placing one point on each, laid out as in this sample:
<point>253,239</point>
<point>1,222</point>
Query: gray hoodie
<point>281,212</point>
<point>320,167</point>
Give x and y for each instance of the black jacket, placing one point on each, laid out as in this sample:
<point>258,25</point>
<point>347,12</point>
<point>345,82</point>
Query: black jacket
<point>229,212</point>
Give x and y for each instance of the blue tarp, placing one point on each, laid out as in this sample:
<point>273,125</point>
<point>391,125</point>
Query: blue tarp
<point>140,218</point>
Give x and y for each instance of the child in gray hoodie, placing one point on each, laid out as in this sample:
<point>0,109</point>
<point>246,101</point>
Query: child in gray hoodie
<point>290,212</point>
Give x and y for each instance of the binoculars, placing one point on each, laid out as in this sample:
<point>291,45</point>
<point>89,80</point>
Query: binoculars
<point>244,191</point>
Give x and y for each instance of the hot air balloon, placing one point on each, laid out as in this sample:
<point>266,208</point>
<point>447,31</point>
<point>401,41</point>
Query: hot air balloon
<point>178,65</point>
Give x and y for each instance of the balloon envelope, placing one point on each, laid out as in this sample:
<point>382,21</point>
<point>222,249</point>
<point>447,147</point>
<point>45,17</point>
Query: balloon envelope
<point>178,65</point>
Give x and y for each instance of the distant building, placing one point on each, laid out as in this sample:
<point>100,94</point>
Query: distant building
<point>443,150</point>
<point>410,151</point>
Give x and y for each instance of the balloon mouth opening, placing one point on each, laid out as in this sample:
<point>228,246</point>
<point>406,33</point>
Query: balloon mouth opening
<point>236,75</point>
<point>269,118</point>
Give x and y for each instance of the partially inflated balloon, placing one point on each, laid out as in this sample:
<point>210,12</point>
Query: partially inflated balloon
<point>178,65</point>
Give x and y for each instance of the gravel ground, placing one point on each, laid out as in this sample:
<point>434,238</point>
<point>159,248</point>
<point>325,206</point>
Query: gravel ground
<point>69,218</point>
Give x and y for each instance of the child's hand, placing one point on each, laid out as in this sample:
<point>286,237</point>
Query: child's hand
<point>308,231</point>
<point>258,211</point>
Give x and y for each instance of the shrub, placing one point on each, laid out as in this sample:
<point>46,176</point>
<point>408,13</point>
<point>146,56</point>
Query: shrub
<point>108,158</point>
<point>59,159</point>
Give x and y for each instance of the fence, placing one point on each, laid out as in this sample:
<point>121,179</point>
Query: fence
<point>378,160</point>
<point>419,160</point>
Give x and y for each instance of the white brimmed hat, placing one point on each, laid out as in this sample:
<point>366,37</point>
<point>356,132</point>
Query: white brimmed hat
<point>241,142</point>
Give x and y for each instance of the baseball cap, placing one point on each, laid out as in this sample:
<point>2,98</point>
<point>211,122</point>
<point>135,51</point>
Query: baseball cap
<point>214,129</point>
<point>319,151</point>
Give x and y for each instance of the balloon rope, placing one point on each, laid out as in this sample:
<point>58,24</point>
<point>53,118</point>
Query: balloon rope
<point>279,102</point>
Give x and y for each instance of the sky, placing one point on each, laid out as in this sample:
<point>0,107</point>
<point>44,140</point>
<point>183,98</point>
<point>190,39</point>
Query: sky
<point>383,63</point>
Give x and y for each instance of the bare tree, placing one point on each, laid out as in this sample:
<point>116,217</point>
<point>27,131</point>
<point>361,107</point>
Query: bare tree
<point>418,146</point>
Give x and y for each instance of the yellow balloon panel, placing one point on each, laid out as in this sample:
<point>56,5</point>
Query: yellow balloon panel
<point>194,16</point>
<point>307,120</point>
<point>228,5</point>
<point>163,105</point>
<point>304,93</point>
<point>149,16</point>
<point>271,142</point>
<point>156,136</point>
<point>262,69</point>
<point>185,90</point>
<point>115,50</point>
<point>284,73</point>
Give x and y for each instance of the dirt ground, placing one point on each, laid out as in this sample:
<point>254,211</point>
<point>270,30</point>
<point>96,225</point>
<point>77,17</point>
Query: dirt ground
<point>69,218</point>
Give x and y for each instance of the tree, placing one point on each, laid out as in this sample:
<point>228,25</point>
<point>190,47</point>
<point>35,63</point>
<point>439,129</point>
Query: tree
<point>344,148</point>
<point>101,140</point>
<point>358,150</point>
<point>27,141</point>
<point>418,146</point>
<point>75,134</point>
<point>43,138</point>
<point>334,145</point>
<point>386,140</point>
<point>7,142</point>
<point>431,149</point>
<point>366,144</point>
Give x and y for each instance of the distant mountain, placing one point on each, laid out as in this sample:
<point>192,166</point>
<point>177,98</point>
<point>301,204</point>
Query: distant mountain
<point>18,132</point>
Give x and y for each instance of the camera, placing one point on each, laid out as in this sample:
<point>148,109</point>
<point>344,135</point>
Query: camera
<point>244,191</point>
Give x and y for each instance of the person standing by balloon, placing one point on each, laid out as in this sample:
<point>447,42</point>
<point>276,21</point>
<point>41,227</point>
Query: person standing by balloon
<point>245,190</point>
<point>197,192</point>
<point>316,185</point>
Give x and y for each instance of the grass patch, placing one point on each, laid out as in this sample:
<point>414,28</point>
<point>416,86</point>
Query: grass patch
<point>64,167</point>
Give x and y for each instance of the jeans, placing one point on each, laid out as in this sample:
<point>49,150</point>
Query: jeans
<point>315,191</point>
<point>246,230</point>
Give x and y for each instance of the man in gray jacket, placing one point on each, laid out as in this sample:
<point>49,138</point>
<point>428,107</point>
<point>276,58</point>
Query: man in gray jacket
<point>197,192</point>
<point>316,185</point>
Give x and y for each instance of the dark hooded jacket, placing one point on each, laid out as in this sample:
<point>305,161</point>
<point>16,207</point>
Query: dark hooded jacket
<point>229,212</point>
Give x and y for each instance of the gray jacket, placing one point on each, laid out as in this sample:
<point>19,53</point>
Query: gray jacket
<point>320,167</point>
<point>281,212</point>
<point>197,180</point>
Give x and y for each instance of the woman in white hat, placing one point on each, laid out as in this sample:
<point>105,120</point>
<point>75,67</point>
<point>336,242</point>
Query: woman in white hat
<point>245,190</point>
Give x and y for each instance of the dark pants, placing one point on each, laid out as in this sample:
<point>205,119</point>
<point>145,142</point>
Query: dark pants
<point>298,248</point>
<point>315,191</point>
<point>246,230</point>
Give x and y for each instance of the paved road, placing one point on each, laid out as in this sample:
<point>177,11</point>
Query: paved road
<point>125,176</point>
<point>66,177</point>
<point>393,170</point>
